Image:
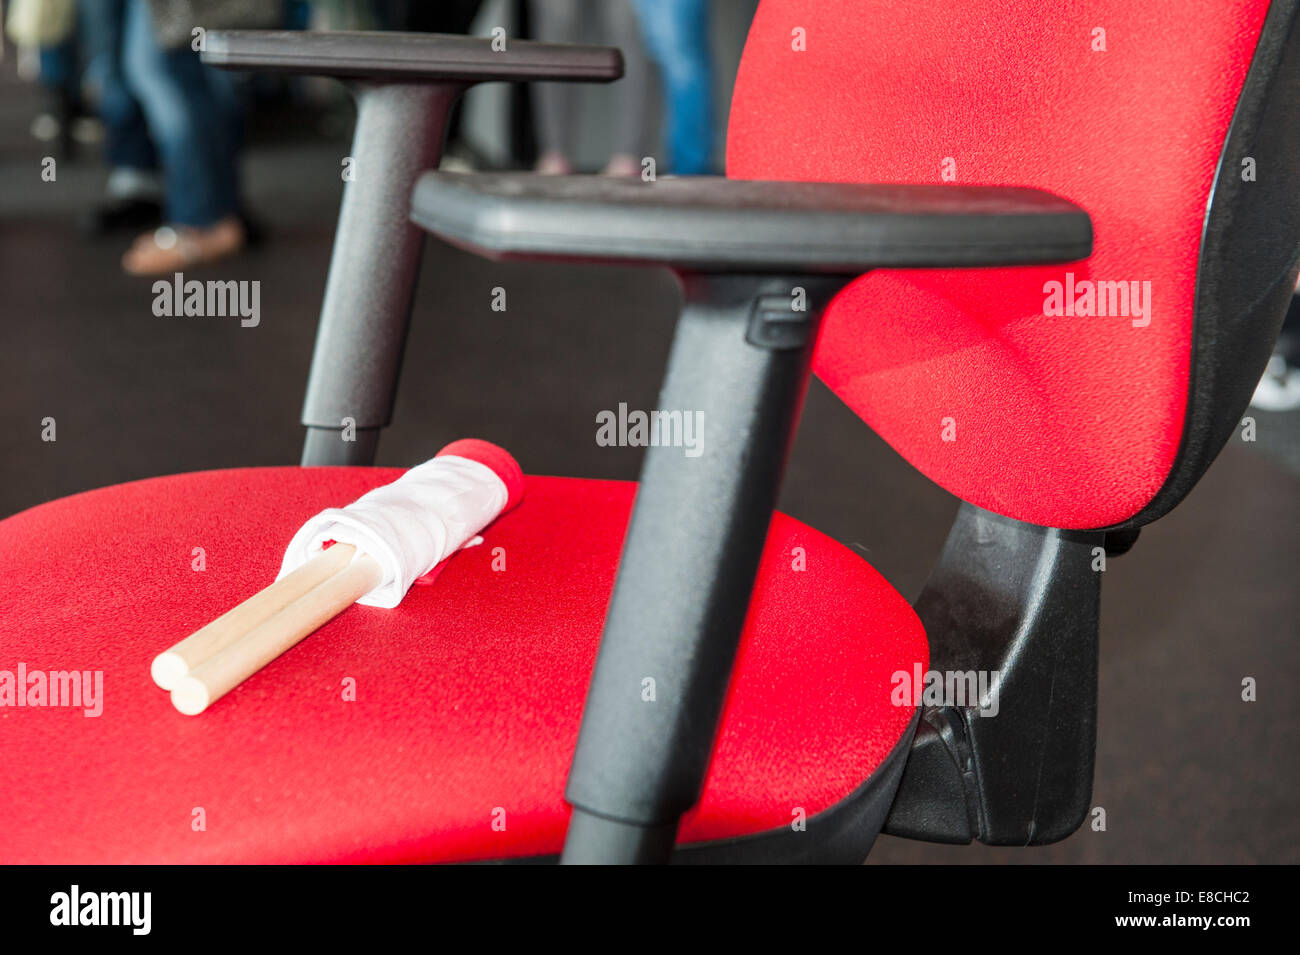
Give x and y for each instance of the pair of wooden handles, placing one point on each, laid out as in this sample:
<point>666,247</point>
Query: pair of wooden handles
<point>209,663</point>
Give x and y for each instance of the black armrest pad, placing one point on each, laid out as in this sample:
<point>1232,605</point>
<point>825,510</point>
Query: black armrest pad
<point>417,57</point>
<point>711,223</point>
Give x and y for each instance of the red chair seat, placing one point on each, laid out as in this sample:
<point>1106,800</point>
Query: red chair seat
<point>468,695</point>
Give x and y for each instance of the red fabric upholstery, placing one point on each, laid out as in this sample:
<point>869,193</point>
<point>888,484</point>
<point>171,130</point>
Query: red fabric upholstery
<point>1064,421</point>
<point>500,460</point>
<point>468,695</point>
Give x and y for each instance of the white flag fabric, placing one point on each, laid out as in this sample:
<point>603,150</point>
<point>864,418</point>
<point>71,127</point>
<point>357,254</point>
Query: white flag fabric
<point>413,524</point>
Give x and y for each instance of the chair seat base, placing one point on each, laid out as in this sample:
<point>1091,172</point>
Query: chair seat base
<point>441,730</point>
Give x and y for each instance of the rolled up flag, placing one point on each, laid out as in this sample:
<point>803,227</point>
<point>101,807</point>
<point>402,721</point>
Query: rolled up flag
<point>381,544</point>
<point>418,521</point>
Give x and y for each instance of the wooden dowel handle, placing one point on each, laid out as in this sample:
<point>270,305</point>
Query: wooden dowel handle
<point>170,666</point>
<point>222,672</point>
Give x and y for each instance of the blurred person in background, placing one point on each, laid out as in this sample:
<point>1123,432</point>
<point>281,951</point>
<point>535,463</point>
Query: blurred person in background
<point>45,33</point>
<point>1279,388</point>
<point>193,117</point>
<point>555,104</point>
<point>676,33</point>
<point>134,190</point>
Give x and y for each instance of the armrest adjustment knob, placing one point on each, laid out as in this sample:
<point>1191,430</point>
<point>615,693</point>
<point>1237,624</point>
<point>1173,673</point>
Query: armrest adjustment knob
<point>777,322</point>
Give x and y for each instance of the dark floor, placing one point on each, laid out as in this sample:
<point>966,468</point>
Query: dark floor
<point>1186,771</point>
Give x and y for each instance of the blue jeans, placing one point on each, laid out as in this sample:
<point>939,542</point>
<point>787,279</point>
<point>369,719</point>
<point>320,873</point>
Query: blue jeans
<point>194,118</point>
<point>126,136</point>
<point>58,67</point>
<point>676,32</point>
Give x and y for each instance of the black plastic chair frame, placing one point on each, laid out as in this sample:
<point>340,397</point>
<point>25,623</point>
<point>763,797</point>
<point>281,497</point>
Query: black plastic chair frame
<point>1005,596</point>
<point>742,355</point>
<point>742,351</point>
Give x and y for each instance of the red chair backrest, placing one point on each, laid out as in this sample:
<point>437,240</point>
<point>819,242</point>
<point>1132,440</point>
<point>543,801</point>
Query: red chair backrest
<point>1122,106</point>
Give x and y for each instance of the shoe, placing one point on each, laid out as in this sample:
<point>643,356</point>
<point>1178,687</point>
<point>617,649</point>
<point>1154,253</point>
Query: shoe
<point>1279,389</point>
<point>622,166</point>
<point>171,249</point>
<point>553,164</point>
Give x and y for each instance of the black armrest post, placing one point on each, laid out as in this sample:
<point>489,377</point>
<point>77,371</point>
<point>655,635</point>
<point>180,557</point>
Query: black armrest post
<point>373,270</point>
<point>405,86</point>
<point>741,356</point>
<point>739,366</point>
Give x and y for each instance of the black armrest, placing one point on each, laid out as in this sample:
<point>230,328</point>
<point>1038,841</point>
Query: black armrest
<point>707,223</point>
<point>406,85</point>
<point>759,262</point>
<point>414,57</point>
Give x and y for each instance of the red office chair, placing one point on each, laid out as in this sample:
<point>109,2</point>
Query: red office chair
<point>1069,432</point>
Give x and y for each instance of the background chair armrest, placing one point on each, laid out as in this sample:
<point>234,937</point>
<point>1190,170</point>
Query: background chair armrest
<point>406,86</point>
<point>413,57</point>
<point>705,223</point>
